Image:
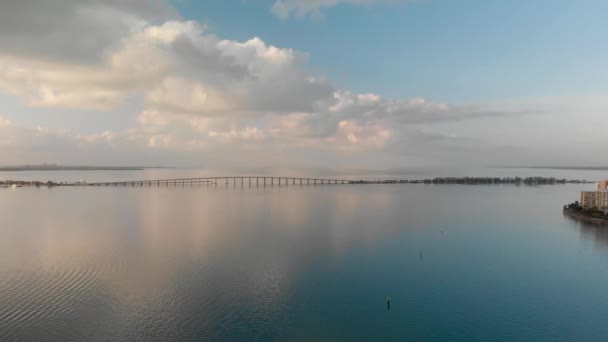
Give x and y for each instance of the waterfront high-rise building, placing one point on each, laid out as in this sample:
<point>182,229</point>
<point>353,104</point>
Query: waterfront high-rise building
<point>596,199</point>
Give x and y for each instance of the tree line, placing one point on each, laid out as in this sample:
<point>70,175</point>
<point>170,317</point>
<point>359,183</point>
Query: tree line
<point>480,180</point>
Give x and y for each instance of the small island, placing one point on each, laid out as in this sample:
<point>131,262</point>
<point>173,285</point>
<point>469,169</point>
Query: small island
<point>20,184</point>
<point>530,181</point>
<point>594,215</point>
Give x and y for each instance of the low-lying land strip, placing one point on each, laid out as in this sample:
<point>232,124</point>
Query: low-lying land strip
<point>262,180</point>
<point>486,180</point>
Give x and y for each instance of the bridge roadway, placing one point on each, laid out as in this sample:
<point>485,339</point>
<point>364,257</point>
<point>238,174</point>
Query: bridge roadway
<point>240,181</point>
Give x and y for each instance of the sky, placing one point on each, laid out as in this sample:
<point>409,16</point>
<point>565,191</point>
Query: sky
<point>303,83</point>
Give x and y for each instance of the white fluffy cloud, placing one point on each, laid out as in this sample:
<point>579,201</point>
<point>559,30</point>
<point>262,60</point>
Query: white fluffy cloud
<point>199,93</point>
<point>174,66</point>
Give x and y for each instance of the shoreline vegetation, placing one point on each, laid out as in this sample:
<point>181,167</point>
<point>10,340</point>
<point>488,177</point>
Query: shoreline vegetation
<point>594,215</point>
<point>480,181</point>
<point>517,181</point>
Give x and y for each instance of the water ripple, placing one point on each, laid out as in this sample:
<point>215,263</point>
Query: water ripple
<point>43,304</point>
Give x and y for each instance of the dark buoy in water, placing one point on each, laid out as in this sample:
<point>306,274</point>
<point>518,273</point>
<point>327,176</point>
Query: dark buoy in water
<point>388,303</point>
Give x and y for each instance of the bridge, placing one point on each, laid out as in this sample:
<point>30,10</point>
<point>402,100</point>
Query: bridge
<point>234,181</point>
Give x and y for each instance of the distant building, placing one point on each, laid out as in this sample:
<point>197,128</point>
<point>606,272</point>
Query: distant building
<point>596,199</point>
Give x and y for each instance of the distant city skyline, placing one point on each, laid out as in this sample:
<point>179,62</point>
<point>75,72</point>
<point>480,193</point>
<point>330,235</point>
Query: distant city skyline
<point>366,84</point>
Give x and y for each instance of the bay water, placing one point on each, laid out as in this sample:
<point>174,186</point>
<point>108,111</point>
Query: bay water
<point>201,263</point>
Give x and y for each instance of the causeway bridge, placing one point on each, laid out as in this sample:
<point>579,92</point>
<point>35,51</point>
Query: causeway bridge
<point>251,181</point>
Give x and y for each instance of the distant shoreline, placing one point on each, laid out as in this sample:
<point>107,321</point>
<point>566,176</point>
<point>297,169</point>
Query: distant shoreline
<point>579,168</point>
<point>516,181</point>
<point>482,181</point>
<point>75,168</point>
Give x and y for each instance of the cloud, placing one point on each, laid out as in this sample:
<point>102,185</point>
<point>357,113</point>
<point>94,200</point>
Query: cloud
<point>301,8</point>
<point>373,107</point>
<point>5,122</point>
<point>74,30</point>
<point>174,66</point>
<point>200,95</point>
<point>18,144</point>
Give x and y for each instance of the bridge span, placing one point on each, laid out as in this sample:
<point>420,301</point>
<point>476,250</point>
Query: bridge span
<point>228,181</point>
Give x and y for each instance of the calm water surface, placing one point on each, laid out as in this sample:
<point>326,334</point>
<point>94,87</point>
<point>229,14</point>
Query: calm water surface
<point>460,263</point>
